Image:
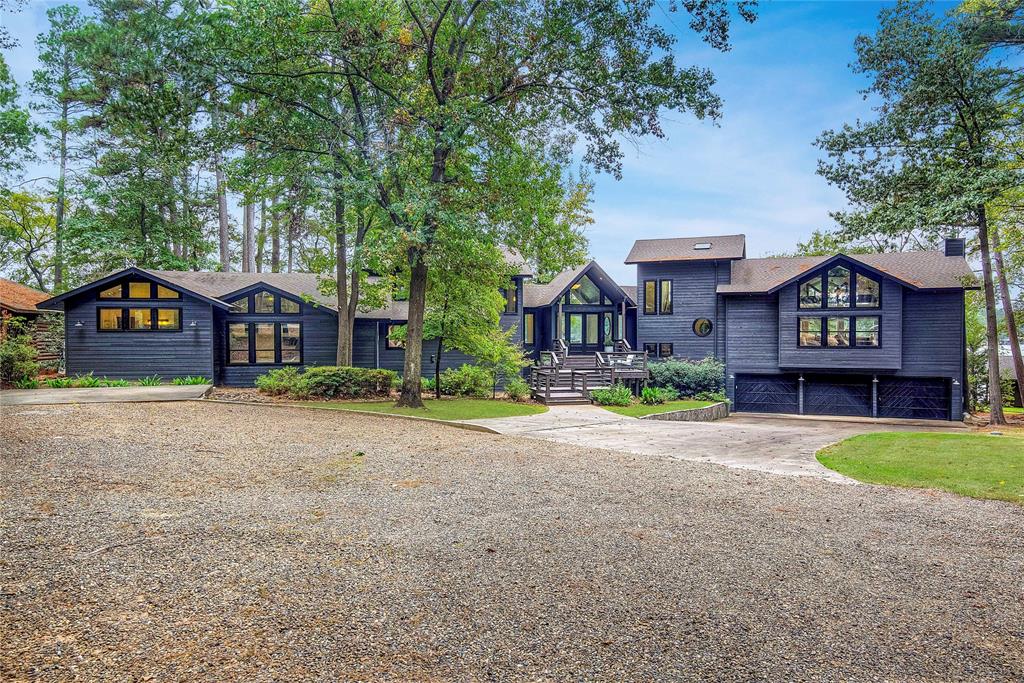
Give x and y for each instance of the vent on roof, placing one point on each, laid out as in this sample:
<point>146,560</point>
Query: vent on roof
<point>702,245</point>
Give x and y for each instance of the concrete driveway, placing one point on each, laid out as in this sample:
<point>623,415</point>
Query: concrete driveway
<point>166,392</point>
<point>769,444</point>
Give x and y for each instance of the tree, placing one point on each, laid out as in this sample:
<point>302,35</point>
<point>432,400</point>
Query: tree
<point>16,129</point>
<point>27,236</point>
<point>930,162</point>
<point>57,88</point>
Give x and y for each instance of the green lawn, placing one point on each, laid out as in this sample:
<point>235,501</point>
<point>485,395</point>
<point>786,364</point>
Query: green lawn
<point>445,409</point>
<point>975,465</point>
<point>1010,410</point>
<point>639,409</point>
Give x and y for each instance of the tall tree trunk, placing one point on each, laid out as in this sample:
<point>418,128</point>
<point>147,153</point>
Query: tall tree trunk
<point>189,239</point>
<point>58,234</point>
<point>248,236</point>
<point>354,266</point>
<point>995,398</point>
<point>223,231</point>
<point>344,356</point>
<point>261,237</point>
<point>1008,313</point>
<point>411,385</point>
<point>275,244</point>
<point>294,217</point>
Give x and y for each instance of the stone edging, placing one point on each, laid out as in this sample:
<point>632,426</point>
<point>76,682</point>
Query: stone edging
<point>715,411</point>
<point>451,423</point>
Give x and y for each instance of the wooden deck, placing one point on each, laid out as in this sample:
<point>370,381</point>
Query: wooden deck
<point>569,379</point>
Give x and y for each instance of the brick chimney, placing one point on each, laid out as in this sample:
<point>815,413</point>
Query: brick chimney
<point>954,246</point>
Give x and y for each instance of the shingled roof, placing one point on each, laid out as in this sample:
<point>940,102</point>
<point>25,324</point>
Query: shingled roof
<point>536,295</point>
<point>917,269</point>
<point>19,298</point>
<point>688,249</point>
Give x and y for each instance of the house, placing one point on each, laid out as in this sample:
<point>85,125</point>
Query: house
<point>878,335</point>
<point>19,301</point>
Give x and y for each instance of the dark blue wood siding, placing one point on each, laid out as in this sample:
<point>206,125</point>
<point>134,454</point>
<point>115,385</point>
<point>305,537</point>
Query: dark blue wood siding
<point>885,357</point>
<point>751,337</point>
<point>131,355</point>
<point>933,339</point>
<point>693,297</point>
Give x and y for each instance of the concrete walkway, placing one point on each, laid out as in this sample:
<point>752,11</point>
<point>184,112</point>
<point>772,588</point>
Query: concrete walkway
<point>769,444</point>
<point>165,392</point>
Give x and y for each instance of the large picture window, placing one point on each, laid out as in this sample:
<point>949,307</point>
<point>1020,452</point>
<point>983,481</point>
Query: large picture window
<point>138,319</point>
<point>264,343</point>
<point>842,287</point>
<point>839,332</point>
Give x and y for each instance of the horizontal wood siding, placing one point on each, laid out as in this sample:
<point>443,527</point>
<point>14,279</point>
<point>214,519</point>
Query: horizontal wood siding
<point>693,297</point>
<point>751,337</point>
<point>363,341</point>
<point>886,357</point>
<point>933,341</point>
<point>131,355</point>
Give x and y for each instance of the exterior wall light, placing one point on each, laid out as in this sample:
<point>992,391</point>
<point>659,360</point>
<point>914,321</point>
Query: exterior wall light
<point>193,324</point>
<point>79,324</point>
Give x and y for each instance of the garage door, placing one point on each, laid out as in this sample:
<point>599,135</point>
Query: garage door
<point>766,393</point>
<point>913,397</point>
<point>837,395</point>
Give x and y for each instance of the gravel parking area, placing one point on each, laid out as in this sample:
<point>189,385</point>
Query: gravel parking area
<point>191,541</point>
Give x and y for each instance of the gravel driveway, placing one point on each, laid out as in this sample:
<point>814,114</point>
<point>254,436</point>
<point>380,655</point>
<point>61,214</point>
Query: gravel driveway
<point>190,541</point>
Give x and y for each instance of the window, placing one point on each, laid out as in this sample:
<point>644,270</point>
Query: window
<point>263,302</point>
<point>166,293</point>
<point>665,289</point>
<point>810,294</point>
<point>810,331</point>
<point>868,292</point>
<point>291,341</point>
<point>264,342</point>
<point>651,349</point>
<point>114,292</point>
<point>139,290</point>
<point>650,297</point>
<point>665,350</point>
<point>839,287</point>
<point>238,343</point>
<point>575,328</point>
<point>584,292</point>
<point>528,329</point>
<point>241,305</point>
<point>867,331</point>
<point>592,328</point>
<point>838,332</point>
<point>702,327</point>
<point>288,306</point>
<point>607,328</point>
<point>168,318</point>
<point>109,318</point>
<point>511,298</point>
<point>391,342</point>
<point>140,318</point>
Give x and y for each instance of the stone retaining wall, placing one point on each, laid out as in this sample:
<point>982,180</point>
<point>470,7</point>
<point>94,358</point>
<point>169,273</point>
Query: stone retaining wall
<point>707,414</point>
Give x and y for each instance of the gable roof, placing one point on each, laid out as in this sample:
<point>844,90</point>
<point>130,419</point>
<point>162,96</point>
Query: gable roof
<point>536,295</point>
<point>20,298</point>
<point>686,249</point>
<point>916,269</point>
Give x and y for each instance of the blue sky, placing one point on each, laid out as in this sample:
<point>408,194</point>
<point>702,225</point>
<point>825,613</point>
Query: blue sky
<point>786,79</point>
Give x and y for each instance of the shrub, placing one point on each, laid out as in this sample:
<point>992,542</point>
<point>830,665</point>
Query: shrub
<point>105,382</point>
<point>277,382</point>
<point>151,381</point>
<point>517,389</point>
<point>27,383</point>
<point>189,379</point>
<point>342,382</point>
<point>653,396</point>
<point>718,396</point>
<point>87,381</point>
<point>428,384</point>
<point>17,354</point>
<point>468,380</point>
<point>60,382</point>
<point>689,378</point>
<point>615,395</point>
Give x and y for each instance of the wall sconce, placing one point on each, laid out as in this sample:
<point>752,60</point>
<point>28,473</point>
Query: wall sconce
<point>955,382</point>
<point>193,324</point>
<point>79,324</point>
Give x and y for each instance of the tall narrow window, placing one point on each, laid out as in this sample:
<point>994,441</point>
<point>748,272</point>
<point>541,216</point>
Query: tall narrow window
<point>168,318</point>
<point>868,292</point>
<point>650,297</point>
<point>810,293</point>
<point>511,299</point>
<point>289,306</point>
<point>867,331</point>
<point>665,307</point>
<point>838,331</point>
<point>528,329</point>
<point>238,343</point>
<point>607,328</point>
<point>140,318</point>
<point>575,328</point>
<point>109,318</point>
<point>291,342</point>
<point>810,331</point>
<point>114,292</point>
<point>139,290</point>
<point>264,342</point>
<point>592,328</point>
<point>263,302</point>
<point>839,287</point>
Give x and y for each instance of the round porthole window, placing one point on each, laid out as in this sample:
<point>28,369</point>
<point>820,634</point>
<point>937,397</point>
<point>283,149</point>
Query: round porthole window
<point>702,327</point>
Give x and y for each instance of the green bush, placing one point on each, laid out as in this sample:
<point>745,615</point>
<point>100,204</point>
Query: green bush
<point>189,379</point>
<point>653,396</point>
<point>87,381</point>
<point>517,389</point>
<point>468,380</point>
<point>327,382</point>
<point>17,354</point>
<point>615,395</point>
<point>28,383</point>
<point>60,382</point>
<point>105,382</point>
<point>717,396</point>
<point>278,382</point>
<point>151,381</point>
<point>689,378</point>
<point>428,384</point>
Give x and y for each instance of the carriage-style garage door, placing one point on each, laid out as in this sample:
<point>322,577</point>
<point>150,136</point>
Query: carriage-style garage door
<point>913,397</point>
<point>766,393</point>
<point>837,395</point>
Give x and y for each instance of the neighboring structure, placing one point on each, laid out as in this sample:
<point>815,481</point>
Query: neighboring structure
<point>17,300</point>
<point>866,334</point>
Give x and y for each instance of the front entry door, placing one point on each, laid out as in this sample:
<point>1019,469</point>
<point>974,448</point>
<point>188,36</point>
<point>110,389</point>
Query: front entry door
<point>585,332</point>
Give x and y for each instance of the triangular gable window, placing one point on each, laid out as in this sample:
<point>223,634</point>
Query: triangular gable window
<point>584,291</point>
